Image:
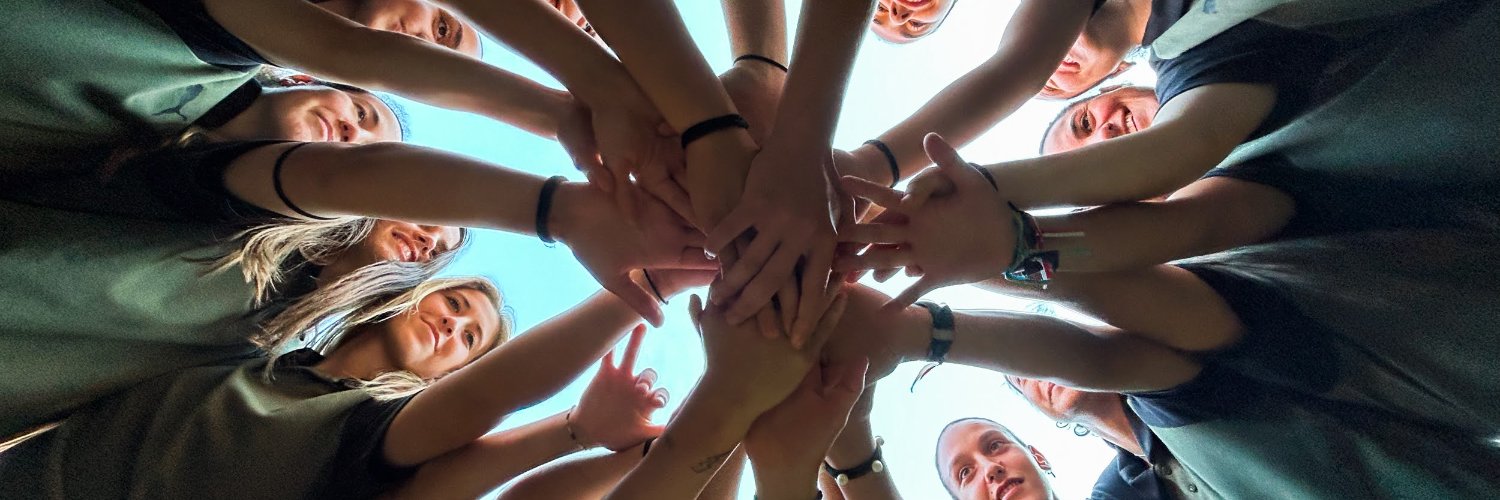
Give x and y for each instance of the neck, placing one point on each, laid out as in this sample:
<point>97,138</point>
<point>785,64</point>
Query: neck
<point>357,357</point>
<point>1108,420</point>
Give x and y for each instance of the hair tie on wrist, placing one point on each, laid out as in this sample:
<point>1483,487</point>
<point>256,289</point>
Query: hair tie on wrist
<point>711,125</point>
<point>281,193</point>
<point>761,58</point>
<point>654,290</point>
<point>890,158</point>
<point>568,422</point>
<point>544,207</point>
<point>987,176</point>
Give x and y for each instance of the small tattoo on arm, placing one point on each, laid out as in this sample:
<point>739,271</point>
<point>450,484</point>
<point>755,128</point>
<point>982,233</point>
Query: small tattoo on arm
<point>711,463</point>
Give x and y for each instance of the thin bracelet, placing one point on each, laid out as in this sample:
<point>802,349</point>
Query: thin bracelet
<point>280,193</point>
<point>761,58</point>
<point>711,125</point>
<point>568,423</point>
<point>987,176</point>
<point>890,158</point>
<point>654,290</point>
<point>544,207</point>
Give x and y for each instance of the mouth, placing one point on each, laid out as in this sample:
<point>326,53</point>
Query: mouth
<point>914,4</point>
<point>432,330</point>
<point>1008,488</point>
<point>1070,64</point>
<point>407,251</point>
<point>1130,125</point>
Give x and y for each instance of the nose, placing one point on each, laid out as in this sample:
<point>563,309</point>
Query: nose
<point>426,240</point>
<point>899,14</point>
<point>995,473</point>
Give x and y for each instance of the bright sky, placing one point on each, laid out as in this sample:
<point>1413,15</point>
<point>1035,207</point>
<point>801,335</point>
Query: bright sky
<point>888,84</point>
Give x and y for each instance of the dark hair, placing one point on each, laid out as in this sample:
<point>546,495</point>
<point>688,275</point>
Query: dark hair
<point>937,459</point>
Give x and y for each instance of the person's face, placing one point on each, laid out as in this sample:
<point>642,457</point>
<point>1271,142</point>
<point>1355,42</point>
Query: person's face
<point>400,241</point>
<point>1055,401</point>
<point>570,10</point>
<point>1116,112</point>
<point>316,113</point>
<point>417,18</point>
<point>903,21</point>
<point>446,330</point>
<point>1096,55</point>
<point>979,460</point>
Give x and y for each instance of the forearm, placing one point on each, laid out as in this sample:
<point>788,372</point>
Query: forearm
<point>690,452</point>
<point>854,446</point>
<point>582,478</point>
<point>756,27</point>
<point>547,38</point>
<point>655,47</point>
<point>1043,347</point>
<point>1164,303</point>
<point>726,483</point>
<point>798,484</point>
<point>491,461</point>
<point>828,37</point>
<point>469,402</point>
<point>1035,41</point>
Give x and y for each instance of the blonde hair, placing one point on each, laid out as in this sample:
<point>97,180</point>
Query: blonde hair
<point>370,295</point>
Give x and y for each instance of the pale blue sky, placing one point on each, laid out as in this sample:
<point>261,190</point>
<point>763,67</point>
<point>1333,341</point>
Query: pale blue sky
<point>888,84</point>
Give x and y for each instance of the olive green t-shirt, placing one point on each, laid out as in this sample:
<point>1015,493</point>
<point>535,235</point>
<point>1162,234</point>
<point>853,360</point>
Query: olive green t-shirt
<point>216,431</point>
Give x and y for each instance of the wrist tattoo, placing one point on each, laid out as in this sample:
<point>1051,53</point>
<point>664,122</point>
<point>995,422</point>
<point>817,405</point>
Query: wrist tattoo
<point>711,463</point>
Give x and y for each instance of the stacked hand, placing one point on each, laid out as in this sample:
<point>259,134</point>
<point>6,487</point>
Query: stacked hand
<point>788,442</point>
<point>610,248</point>
<point>611,141</point>
<point>755,372</point>
<point>615,411</point>
<point>958,230</point>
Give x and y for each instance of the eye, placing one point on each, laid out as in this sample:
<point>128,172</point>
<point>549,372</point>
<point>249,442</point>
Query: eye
<point>917,25</point>
<point>588,29</point>
<point>453,304</point>
<point>994,446</point>
<point>1086,123</point>
<point>469,339</point>
<point>442,28</point>
<point>963,474</point>
<point>361,113</point>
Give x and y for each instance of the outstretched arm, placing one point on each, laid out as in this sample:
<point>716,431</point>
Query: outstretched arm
<point>298,34</point>
<point>1193,133</point>
<point>1035,41</point>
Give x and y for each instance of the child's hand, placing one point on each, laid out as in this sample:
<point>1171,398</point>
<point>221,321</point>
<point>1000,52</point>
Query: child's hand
<point>961,236</point>
<point>746,367</point>
<point>615,411</point>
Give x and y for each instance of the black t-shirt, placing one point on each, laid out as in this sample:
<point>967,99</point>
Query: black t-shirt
<point>1328,203</point>
<point>206,37</point>
<point>1251,52</point>
<point>183,184</point>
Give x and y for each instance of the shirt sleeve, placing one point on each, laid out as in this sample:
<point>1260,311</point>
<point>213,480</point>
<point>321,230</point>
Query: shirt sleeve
<point>1114,485</point>
<point>203,35</point>
<point>360,469</point>
<point>1252,52</point>
<point>185,184</point>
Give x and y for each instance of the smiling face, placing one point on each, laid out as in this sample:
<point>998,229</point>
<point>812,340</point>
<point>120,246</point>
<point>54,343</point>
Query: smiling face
<point>417,18</point>
<point>904,21</point>
<point>1116,112</point>
<point>447,330</point>
<point>391,240</point>
<point>311,112</point>
<point>979,459</point>
<point>570,10</point>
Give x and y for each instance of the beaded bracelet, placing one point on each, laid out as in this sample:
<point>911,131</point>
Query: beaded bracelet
<point>872,465</point>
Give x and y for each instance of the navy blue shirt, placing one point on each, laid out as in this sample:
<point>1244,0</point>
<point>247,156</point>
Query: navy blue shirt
<point>1129,477</point>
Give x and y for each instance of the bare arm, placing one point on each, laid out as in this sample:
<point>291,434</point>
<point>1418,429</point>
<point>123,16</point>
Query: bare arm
<point>1192,134</point>
<point>574,479</point>
<point>468,403</point>
<point>539,32</point>
<point>1035,41</point>
<point>1207,216</point>
<point>297,34</point>
<point>485,464</point>
<point>854,446</point>
<point>757,27</point>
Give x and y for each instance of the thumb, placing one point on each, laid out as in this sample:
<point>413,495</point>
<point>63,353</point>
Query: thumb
<point>942,154</point>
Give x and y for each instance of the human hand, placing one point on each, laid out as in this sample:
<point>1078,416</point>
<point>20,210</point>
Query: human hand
<point>670,282</point>
<point>588,223</point>
<point>962,236</point>
<point>615,410</point>
<point>792,208</point>
<point>754,371</point>
<point>788,442</point>
<point>755,87</point>
<point>631,138</point>
<point>873,333</point>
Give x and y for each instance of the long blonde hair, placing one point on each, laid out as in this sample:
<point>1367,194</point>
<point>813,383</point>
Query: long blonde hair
<point>371,295</point>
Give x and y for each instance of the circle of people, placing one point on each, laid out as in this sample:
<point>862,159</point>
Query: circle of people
<point>220,274</point>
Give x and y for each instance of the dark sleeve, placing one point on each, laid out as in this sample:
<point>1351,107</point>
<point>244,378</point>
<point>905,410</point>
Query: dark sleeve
<point>203,35</point>
<point>187,184</point>
<point>1279,343</point>
<point>359,468</point>
<point>1126,478</point>
<point>1252,52</point>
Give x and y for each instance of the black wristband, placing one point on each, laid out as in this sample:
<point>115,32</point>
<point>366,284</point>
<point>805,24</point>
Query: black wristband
<point>654,291</point>
<point>942,330</point>
<point>873,464</point>
<point>890,158</point>
<point>711,125</point>
<point>761,58</point>
<point>544,207</point>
